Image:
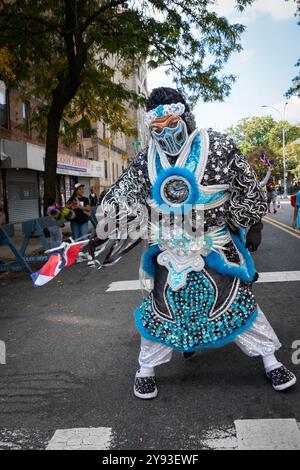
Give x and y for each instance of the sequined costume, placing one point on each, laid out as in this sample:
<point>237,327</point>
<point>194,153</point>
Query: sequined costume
<point>202,295</point>
<point>195,200</point>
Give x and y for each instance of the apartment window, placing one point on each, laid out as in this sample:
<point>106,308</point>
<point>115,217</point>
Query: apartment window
<point>104,131</point>
<point>105,169</point>
<point>86,134</point>
<point>25,115</point>
<point>113,170</point>
<point>3,105</point>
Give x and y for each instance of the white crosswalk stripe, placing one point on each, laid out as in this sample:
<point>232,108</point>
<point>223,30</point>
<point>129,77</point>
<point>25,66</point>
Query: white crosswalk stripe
<point>253,434</point>
<point>268,434</point>
<point>124,285</point>
<point>81,439</point>
<point>281,276</point>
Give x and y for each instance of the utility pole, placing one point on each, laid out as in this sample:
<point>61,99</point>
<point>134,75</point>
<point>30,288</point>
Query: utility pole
<point>282,117</point>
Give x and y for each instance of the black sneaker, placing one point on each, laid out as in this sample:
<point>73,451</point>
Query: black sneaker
<point>145,387</point>
<point>281,378</point>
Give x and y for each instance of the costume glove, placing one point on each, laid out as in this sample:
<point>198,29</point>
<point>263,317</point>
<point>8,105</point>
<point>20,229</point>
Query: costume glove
<point>253,237</point>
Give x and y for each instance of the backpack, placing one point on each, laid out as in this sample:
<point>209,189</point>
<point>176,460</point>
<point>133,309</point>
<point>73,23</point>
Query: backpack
<point>293,200</point>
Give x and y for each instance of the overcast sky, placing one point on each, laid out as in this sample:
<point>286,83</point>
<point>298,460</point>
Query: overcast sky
<point>264,69</point>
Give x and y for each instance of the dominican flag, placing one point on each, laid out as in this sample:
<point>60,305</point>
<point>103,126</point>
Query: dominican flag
<point>62,257</point>
<point>264,160</point>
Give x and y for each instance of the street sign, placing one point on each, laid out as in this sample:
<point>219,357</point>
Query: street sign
<point>136,143</point>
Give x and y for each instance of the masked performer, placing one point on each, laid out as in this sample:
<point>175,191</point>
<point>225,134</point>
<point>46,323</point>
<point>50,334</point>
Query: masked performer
<point>202,279</point>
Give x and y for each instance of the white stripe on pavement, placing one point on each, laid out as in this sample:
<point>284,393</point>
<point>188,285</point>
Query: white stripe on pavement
<point>81,439</point>
<point>125,285</point>
<point>281,276</point>
<point>268,434</point>
<point>220,439</point>
<point>253,434</point>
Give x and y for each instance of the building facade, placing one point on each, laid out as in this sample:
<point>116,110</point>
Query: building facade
<point>115,151</point>
<point>22,162</point>
<point>96,161</point>
<point>110,151</point>
<point>138,83</point>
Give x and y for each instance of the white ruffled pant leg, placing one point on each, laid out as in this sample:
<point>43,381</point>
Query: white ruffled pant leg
<point>153,354</point>
<point>260,339</point>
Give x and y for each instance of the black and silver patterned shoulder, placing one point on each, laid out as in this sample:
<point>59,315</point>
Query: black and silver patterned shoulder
<point>216,171</point>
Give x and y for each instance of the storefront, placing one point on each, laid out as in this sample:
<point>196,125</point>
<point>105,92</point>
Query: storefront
<point>22,167</point>
<point>74,170</point>
<point>22,195</point>
<point>21,164</point>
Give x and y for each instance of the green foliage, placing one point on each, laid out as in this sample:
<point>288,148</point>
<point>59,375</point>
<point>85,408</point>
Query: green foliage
<point>63,53</point>
<point>62,41</point>
<point>295,88</point>
<point>255,134</point>
<point>6,64</point>
<point>252,132</point>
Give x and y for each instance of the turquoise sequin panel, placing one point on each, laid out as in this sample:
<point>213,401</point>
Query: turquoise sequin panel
<point>194,155</point>
<point>208,198</point>
<point>191,328</point>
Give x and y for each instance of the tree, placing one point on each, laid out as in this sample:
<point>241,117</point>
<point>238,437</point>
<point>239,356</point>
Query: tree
<point>252,133</point>
<point>6,64</point>
<point>61,50</point>
<point>256,134</point>
<point>295,88</point>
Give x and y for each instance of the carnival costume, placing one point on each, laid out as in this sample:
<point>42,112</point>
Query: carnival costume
<point>205,197</point>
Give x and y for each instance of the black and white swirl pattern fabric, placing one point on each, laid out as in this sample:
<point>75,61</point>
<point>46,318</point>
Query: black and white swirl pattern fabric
<point>247,201</point>
<point>131,190</point>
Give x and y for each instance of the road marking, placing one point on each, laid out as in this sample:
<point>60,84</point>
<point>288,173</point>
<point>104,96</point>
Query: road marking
<point>253,434</point>
<point>281,276</point>
<point>81,439</point>
<point>276,221</point>
<point>126,285</point>
<point>220,439</point>
<point>289,231</point>
<point>267,434</point>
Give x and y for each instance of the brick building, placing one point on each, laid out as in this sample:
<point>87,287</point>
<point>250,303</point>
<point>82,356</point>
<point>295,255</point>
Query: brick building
<point>138,83</point>
<point>115,151</point>
<point>94,161</point>
<point>22,160</point>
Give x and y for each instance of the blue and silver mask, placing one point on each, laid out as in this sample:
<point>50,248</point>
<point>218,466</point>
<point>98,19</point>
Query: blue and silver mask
<point>171,139</point>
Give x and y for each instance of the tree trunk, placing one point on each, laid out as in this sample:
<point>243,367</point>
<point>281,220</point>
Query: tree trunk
<point>62,96</point>
<point>54,118</point>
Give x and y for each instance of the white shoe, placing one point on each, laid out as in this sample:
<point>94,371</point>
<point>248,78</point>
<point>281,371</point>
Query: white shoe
<point>84,257</point>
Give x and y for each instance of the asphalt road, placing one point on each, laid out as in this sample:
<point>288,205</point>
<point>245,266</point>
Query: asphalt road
<point>72,354</point>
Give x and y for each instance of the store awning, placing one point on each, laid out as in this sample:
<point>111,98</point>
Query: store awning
<point>24,155</point>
